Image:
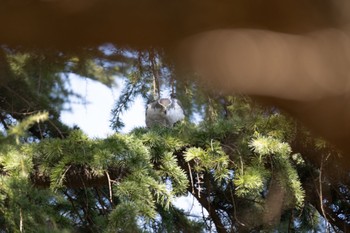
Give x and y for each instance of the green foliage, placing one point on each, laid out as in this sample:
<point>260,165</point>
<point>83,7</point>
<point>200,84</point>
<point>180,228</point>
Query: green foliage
<point>21,204</point>
<point>169,168</point>
<point>56,179</point>
<point>140,190</point>
<point>251,181</point>
<point>124,218</point>
<point>281,163</point>
<point>264,146</point>
<point>141,186</point>
<point>213,158</point>
<point>20,129</point>
<point>229,159</point>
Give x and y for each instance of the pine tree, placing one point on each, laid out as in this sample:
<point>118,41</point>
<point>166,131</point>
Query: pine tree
<point>251,167</point>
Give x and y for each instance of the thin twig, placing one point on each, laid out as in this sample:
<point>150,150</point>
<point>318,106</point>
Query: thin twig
<point>156,86</point>
<point>191,178</point>
<point>18,95</point>
<point>235,209</point>
<point>56,128</point>
<point>63,175</point>
<point>20,220</point>
<point>109,187</point>
<point>73,205</point>
<point>199,188</point>
<point>321,190</point>
<point>192,204</point>
<point>102,203</point>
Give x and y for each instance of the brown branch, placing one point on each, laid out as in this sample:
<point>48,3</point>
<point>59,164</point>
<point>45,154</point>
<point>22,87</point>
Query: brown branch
<point>235,209</point>
<point>191,178</point>
<point>320,193</point>
<point>201,198</point>
<point>332,171</point>
<point>100,201</point>
<point>80,176</point>
<point>70,198</point>
<point>311,186</point>
<point>109,187</point>
<point>56,128</point>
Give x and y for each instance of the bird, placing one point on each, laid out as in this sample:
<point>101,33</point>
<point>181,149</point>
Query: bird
<point>164,112</point>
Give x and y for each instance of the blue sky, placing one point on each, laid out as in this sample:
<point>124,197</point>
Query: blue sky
<point>93,116</point>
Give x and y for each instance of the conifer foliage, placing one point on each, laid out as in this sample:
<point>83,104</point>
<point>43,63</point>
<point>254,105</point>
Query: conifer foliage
<point>250,167</point>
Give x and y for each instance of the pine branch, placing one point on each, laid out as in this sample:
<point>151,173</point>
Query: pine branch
<point>80,177</point>
<point>202,199</point>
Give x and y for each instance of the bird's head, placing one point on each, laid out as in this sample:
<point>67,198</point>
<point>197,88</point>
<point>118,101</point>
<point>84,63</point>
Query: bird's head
<point>164,103</point>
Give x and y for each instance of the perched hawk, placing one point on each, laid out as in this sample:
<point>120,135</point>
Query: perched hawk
<point>165,112</point>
